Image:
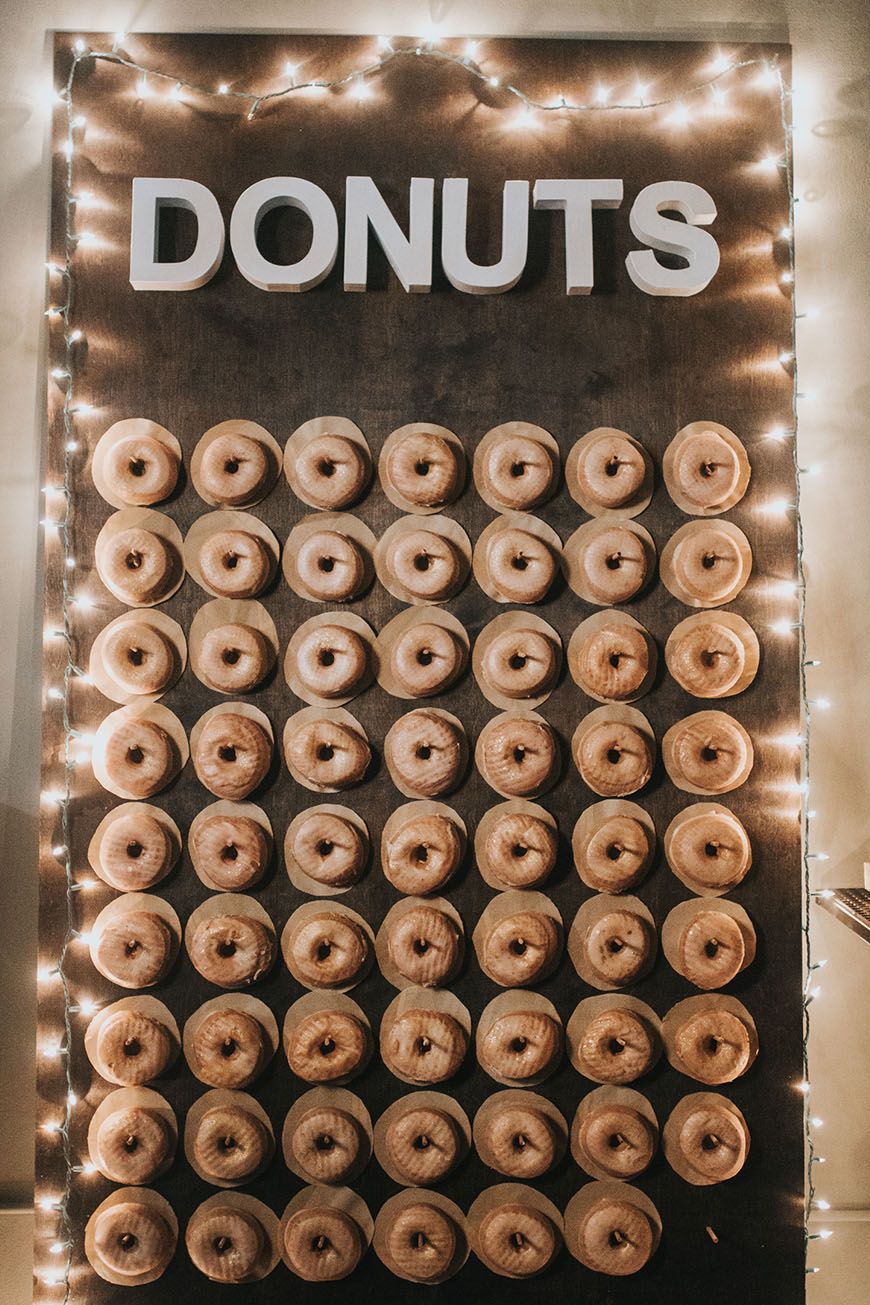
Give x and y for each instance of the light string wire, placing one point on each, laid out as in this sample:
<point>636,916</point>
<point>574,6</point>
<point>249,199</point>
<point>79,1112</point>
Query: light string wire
<point>66,375</point>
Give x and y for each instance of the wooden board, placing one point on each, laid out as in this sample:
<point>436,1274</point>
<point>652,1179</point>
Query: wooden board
<point>383,358</point>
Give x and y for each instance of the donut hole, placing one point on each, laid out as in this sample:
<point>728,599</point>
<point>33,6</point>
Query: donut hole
<point>709,753</point>
<point>133,560</point>
<point>227,752</point>
<point>132,1047</point>
<point>230,561</point>
<point>613,562</point>
<point>420,854</point>
<point>421,946</point>
<point>131,1144</point>
<point>137,466</point>
<point>231,466</point>
<point>519,1141</point>
<point>615,1141</point>
<point>611,466</point>
<point>327,1046</point>
<point>519,754</point>
<point>517,1240</point>
<point>326,657</point>
<point>614,755</point>
<point>325,848</point>
<point>520,562</point>
<point>222,1244</point>
<point>128,1241</point>
<point>615,1046</point>
<point>518,1044</point>
<point>711,948</point>
<point>708,561</point>
<point>710,1142</point>
<point>711,1044</point>
<point>324,1142</point>
<point>707,469</point>
<point>422,1045</point>
<point>422,467</point>
<point>417,1241</point>
<point>614,946</point>
<point>323,950</point>
<point>708,658</point>
<point>226,948</point>
<point>229,852</point>
<point>325,752</point>
<point>320,1243</point>
<point>518,946</point>
<point>132,947</point>
<point>613,852</point>
<point>519,850</point>
<point>227,1144</point>
<point>326,564</point>
<point>422,562</point>
<point>135,755</point>
<point>518,469</point>
<point>134,850</point>
<point>614,659</point>
<point>423,752</point>
<point>421,1142</point>
<point>135,656</point>
<point>230,656</point>
<point>425,657</point>
<point>711,849</point>
<point>517,661</point>
<point>326,467</point>
<point>228,1048</point>
<point>616,1239</point>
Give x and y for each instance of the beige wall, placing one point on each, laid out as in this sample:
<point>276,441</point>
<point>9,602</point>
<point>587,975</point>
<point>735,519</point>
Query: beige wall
<point>832,111</point>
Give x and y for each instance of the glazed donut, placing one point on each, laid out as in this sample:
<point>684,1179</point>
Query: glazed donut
<point>327,950</point>
<point>614,564</point>
<point>131,1048</point>
<point>614,758</point>
<point>141,470</point>
<point>225,1243</point>
<point>425,658</point>
<point>612,662</point>
<point>326,1144</point>
<point>230,1144</point>
<point>713,1046</point>
<point>328,754</point>
<point>132,1238</point>
<point>331,471</point>
<point>135,852</point>
<point>710,848</point>
<point>235,563</point>
<point>229,1048</point>
<point>708,565</point>
<point>711,949</point>
<point>329,849</point>
<point>423,1144</point>
<point>233,470</point>
<point>616,1139</point>
<point>232,755</point>
<point>139,757</point>
<point>424,945</point>
<point>420,1241</point>
<point>708,660</point>
<point>132,1146</point>
<point>615,1237</point>
<point>518,755</point>
<point>422,854</point>
<point>521,566</point>
<point>517,1239</point>
<point>706,470</point>
<point>619,947</point>
<point>328,1045</point>
<point>617,855</point>
<point>520,849</point>
<point>424,468</point>
<point>330,567</point>
<point>710,752</point>
<point>520,664</point>
<point>232,851</point>
<point>424,753</point>
<point>610,471</point>
<point>423,1046</point>
<point>322,1243</point>
<point>521,949</point>
<point>426,564</point>
<point>138,657</point>
<point>331,660</point>
<point>138,565</point>
<point>234,658</point>
<point>232,951</point>
<point>518,472</point>
<point>520,1046</point>
<point>522,1141</point>
<point>134,950</point>
<point>616,1047</point>
<point>713,1140</point>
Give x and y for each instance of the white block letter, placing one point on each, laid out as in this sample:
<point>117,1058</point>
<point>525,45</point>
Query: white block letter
<point>284,192</point>
<point>410,257</point>
<point>577,199</point>
<point>673,237</point>
<point>150,195</point>
<point>470,277</point>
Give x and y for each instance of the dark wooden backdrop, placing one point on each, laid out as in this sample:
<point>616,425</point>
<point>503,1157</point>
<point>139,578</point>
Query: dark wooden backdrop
<point>618,357</point>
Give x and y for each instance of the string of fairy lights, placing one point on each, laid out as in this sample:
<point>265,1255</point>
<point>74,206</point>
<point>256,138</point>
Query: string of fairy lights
<point>708,94</point>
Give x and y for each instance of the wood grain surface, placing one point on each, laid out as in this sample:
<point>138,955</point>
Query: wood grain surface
<point>383,358</point>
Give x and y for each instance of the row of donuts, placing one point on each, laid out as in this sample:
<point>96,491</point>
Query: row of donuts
<point>141,748</point>
<point>142,560</point>
<point>425,1036</point>
<point>518,941</point>
<point>423,845</point>
<point>328,1138</point>
<point>422,467</point>
<point>332,658</point>
<point>419,1235</point>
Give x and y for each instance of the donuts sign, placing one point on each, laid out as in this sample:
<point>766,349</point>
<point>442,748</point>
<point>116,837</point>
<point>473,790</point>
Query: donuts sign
<point>667,217</point>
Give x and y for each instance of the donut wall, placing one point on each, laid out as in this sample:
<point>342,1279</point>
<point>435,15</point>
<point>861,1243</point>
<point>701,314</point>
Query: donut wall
<point>421,859</point>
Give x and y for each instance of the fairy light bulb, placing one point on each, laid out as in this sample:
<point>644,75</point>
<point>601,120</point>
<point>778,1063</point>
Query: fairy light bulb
<point>640,92</point>
<point>681,117</point>
<point>223,89</point>
<point>493,81</point>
